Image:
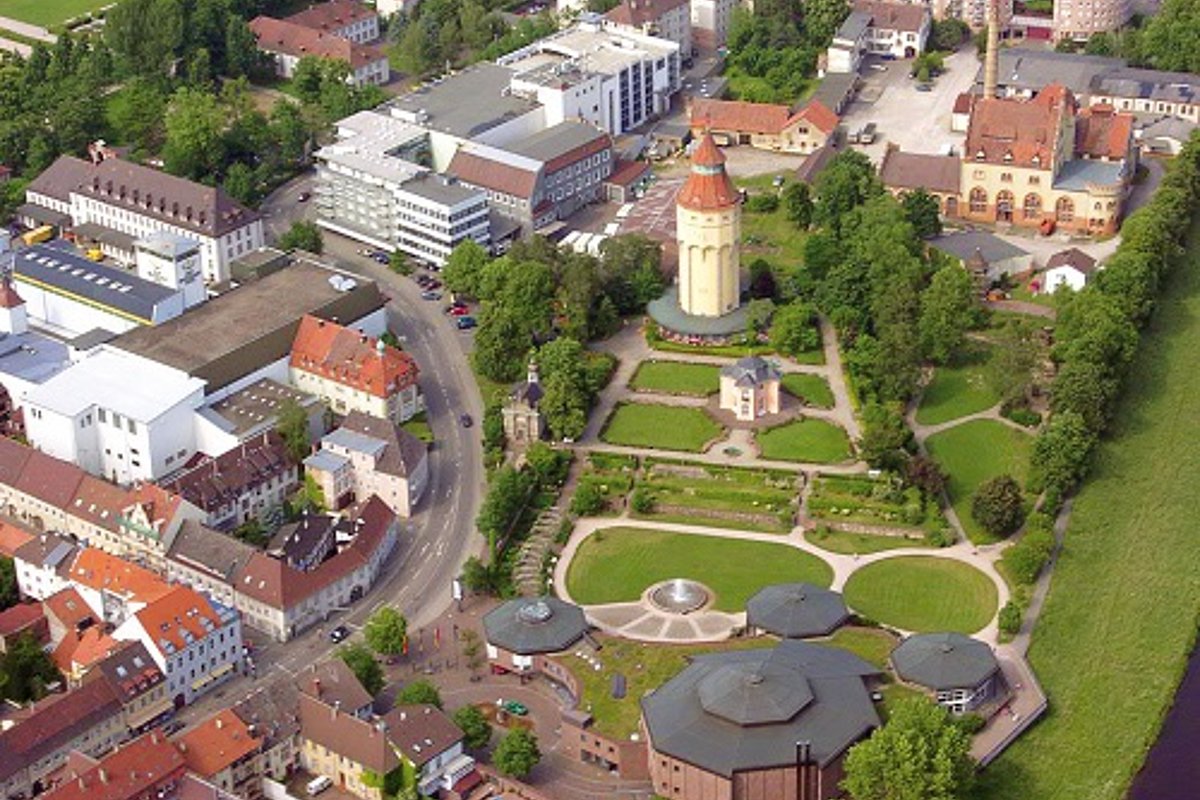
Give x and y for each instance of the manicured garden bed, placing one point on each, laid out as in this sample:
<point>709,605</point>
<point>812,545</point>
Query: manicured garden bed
<point>612,475</point>
<point>676,377</point>
<point>871,501</point>
<point>617,564</point>
<point>660,426</point>
<point>958,390</point>
<point>974,452</point>
<point>813,389</point>
<point>849,543</point>
<point>923,594</point>
<point>812,441</point>
<point>723,497</point>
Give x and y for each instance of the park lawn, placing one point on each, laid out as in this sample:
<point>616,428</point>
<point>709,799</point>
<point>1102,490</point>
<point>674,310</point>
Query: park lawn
<point>812,441</point>
<point>1113,639</point>
<point>645,667</point>
<point>660,426</point>
<point>873,645</point>
<point>958,390</point>
<point>677,377</point>
<point>615,565</point>
<point>814,389</point>
<point>725,497</point>
<point>972,453</point>
<point>858,543</point>
<point>49,12</point>
<point>923,594</point>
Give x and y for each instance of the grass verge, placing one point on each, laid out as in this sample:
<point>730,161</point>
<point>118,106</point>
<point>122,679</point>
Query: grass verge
<point>813,389</point>
<point>676,377</point>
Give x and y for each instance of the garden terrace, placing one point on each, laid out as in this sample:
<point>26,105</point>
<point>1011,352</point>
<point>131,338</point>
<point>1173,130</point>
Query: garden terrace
<point>877,502</point>
<point>725,497</point>
<point>923,594</point>
<point>659,426</point>
<point>618,564</point>
<point>676,377</point>
<point>810,441</point>
<point>612,475</point>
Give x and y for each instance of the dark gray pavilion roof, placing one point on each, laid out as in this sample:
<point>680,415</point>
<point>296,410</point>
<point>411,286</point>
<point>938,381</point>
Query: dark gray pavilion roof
<point>942,661</point>
<point>750,371</point>
<point>747,709</point>
<point>796,610</point>
<point>530,625</point>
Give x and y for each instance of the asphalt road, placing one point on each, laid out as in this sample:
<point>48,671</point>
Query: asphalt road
<point>436,541</point>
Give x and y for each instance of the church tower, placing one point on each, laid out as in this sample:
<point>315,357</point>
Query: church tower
<point>708,229</point>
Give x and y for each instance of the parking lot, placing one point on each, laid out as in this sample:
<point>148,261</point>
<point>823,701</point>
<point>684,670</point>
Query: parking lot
<point>917,121</point>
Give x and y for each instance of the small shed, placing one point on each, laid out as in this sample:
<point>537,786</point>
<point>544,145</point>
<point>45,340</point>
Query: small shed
<point>1072,268</point>
<point>1001,257</point>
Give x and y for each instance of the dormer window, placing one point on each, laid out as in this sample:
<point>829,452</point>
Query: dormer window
<point>1008,156</point>
<point>980,155</point>
<point>1037,160</point>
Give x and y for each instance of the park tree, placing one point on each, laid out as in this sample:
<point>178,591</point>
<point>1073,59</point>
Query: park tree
<point>517,754</point>
<point>919,754</point>
<point>26,670</point>
<point>925,473</point>
<point>419,692</point>
<point>630,268</point>
<point>998,505</point>
<point>472,650</point>
<point>588,500</point>
<point>758,316</point>
<point>549,466</point>
<point>794,330</point>
<point>307,77</point>
<point>507,496</point>
<point>762,280</point>
<point>949,307</point>
<point>386,631</point>
<point>417,51</point>
<point>798,204</point>
<point>9,594</point>
<point>364,666</point>
<point>822,18</point>
<point>464,266</point>
<point>1009,371</point>
<point>289,131</point>
<point>195,126</point>
<point>1171,39</point>
<point>477,731</point>
<point>136,113</point>
<point>303,235</point>
<point>848,182</point>
<point>501,344</point>
<point>1061,453</point>
<point>884,434</point>
<point>292,425</point>
<point>1086,388</point>
<point>241,49</point>
<point>145,35</point>
<point>924,212</point>
<point>241,183</point>
<point>949,34</point>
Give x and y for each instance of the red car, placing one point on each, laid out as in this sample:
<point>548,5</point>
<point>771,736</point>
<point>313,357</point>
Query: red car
<point>459,311</point>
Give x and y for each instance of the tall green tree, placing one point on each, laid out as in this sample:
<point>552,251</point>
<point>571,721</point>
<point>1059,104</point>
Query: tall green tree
<point>794,329</point>
<point>920,754</point>
<point>419,692</point>
<point>1061,453</point>
<point>9,593</point>
<point>1171,39</point>
<point>26,670</point>
<point>848,182</point>
<point>998,505</point>
<point>924,212</point>
<point>292,425</point>
<point>364,666</point>
<point>195,124</point>
<point>386,631</point>
<point>477,731</point>
<point>303,235</point>
<point>517,754</point>
<point>949,307</point>
<point>798,205</point>
<point>464,267</point>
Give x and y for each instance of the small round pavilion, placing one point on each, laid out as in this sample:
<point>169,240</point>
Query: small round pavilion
<point>796,610</point>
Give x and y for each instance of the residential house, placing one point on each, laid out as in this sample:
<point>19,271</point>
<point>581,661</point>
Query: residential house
<point>287,42</point>
<point>138,683</point>
<point>67,615</point>
<point>353,371</point>
<point>351,752</point>
<point>750,388</point>
<point>148,768</point>
<point>370,456</point>
<point>1072,268</point>
<point>42,565</point>
<point>666,19</point>
<point>80,651</point>
<point>196,641</point>
<point>900,30</point>
<point>335,684</point>
<point>306,543</point>
<point>117,202</point>
<point>347,19</point>
<point>250,482</point>
<point>430,746</point>
<point>282,601</point>
<point>902,173</point>
<point>766,126</point>
<point>207,560</point>
<point>1147,91</point>
<point>270,712</point>
<point>225,752</point>
<point>850,43</point>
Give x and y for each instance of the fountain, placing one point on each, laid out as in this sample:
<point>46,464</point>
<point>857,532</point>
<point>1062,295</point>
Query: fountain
<point>679,596</point>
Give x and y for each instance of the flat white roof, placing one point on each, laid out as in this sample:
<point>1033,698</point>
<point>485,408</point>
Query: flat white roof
<point>590,48</point>
<point>366,141</point>
<point>130,385</point>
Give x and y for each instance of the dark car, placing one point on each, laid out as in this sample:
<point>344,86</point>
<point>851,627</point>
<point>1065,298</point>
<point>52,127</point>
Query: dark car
<point>304,197</point>
<point>466,420</point>
<point>338,634</point>
<point>465,323</point>
<point>431,295</point>
<point>924,87</point>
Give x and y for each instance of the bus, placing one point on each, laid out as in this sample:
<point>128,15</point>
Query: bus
<point>37,235</point>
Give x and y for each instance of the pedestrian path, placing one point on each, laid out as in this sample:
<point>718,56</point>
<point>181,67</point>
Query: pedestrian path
<point>27,30</point>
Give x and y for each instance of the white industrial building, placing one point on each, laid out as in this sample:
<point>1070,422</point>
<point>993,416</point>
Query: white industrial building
<point>171,260</point>
<point>116,415</point>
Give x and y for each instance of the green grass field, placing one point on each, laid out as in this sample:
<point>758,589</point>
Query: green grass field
<point>676,377</point>
<point>923,594</point>
<point>957,391</point>
<point>617,564</point>
<point>659,426</point>
<point>974,452</point>
<point>1112,641</point>
<point>812,388</point>
<point>812,441</point>
<point>859,543</point>
<point>869,644</point>
<point>49,12</point>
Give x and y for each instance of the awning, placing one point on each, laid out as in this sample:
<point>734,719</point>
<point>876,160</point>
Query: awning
<point>109,236</point>
<point>150,713</point>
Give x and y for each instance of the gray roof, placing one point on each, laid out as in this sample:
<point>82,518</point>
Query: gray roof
<point>1080,173</point>
<point>835,89</point>
<point>31,356</point>
<point>43,215</point>
<point>96,232</point>
<point>942,661</point>
<point>750,371</point>
<point>666,312</point>
<point>796,610</point>
<point>1148,84</point>
<point>441,189</point>
<point>963,245</point>
<point>1169,128</point>
<point>558,140</point>
<point>855,25</point>
<point>325,461</point>
<point>527,625</point>
<point>397,452</point>
<point>1072,257</point>
<point>465,104</point>
<point>198,546</point>
<point>167,244</point>
<point>1032,70</point>
<point>744,710</point>
<point>59,270</point>
<point>47,550</point>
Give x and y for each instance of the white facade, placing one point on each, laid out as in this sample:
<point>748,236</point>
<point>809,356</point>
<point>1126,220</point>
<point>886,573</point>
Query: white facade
<point>674,24</point>
<point>899,43</point>
<point>174,262</point>
<point>712,17</point>
<point>41,580</point>
<point>116,415</point>
<point>370,73</point>
<point>1065,275</point>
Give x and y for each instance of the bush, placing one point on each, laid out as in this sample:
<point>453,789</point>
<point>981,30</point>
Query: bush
<point>588,500</point>
<point>1021,415</point>
<point>762,203</point>
<point>1010,618</point>
<point>971,724</point>
<point>1025,559</point>
<point>642,501</point>
<point>998,505</point>
<point>941,536</point>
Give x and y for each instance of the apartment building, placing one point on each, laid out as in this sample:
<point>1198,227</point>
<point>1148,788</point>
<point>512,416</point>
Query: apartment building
<point>372,186</point>
<point>897,29</point>
<point>115,203</point>
<point>666,19</point>
<point>347,19</point>
<point>1080,19</point>
<point>148,768</point>
<point>972,12</point>
<point>286,42</point>
<point>225,752</point>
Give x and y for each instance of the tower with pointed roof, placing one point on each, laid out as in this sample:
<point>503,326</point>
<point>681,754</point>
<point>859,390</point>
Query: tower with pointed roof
<point>12,309</point>
<point>708,229</point>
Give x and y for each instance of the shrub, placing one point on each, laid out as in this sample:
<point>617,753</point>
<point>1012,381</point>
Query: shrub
<point>1025,559</point>
<point>1010,618</point>
<point>642,501</point>
<point>998,505</point>
<point>588,500</point>
<point>941,536</point>
<point>762,203</point>
<point>971,724</point>
<point>1023,416</point>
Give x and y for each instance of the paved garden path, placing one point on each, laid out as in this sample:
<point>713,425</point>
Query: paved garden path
<point>23,50</point>
<point>27,30</point>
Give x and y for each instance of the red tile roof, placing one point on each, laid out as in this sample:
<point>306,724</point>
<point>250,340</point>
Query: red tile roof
<point>50,480</point>
<point>80,650</point>
<point>901,170</point>
<point>738,115</point>
<point>626,172</point>
<point>101,571</point>
<point>181,609</point>
<point>8,295</point>
<point>487,173</point>
<point>20,617</point>
<point>1021,133</point>
<point>332,16</point>
<point>13,536</point>
<point>99,502</point>
<point>215,482</point>
<point>818,115</point>
<point>134,770</point>
<point>708,187</point>
<point>639,12</point>
<point>53,723</point>
<point>351,358</point>
<point>1100,132</point>
<point>288,38</point>
<point>68,608</point>
<point>357,740</point>
<point>13,458</point>
<point>217,743</point>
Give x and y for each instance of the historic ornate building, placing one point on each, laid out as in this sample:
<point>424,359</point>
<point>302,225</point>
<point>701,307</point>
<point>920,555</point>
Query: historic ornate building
<point>708,229</point>
<point>522,420</point>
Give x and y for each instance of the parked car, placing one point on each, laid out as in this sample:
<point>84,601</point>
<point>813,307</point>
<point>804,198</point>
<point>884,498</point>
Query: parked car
<point>924,87</point>
<point>338,634</point>
<point>515,708</point>
<point>854,136</point>
<point>465,323</point>
<point>466,420</point>
<point>867,135</point>
<point>429,294</point>
<point>459,311</point>
<point>304,197</point>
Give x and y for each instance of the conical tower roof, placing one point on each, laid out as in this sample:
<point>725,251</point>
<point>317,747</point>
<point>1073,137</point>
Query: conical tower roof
<point>708,187</point>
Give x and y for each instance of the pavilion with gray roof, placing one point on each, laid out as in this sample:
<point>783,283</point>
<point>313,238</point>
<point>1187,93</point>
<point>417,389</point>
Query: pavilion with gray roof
<point>796,610</point>
<point>525,627</point>
<point>962,672</point>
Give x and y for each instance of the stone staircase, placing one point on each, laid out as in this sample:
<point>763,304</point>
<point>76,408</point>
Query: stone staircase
<point>528,572</point>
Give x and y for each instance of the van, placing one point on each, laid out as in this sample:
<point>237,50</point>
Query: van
<point>318,785</point>
<point>867,136</point>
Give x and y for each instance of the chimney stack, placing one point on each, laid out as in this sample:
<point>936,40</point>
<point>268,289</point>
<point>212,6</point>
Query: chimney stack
<point>991,60</point>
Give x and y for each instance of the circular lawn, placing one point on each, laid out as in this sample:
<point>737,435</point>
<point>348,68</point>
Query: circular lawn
<point>923,594</point>
<point>616,565</point>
